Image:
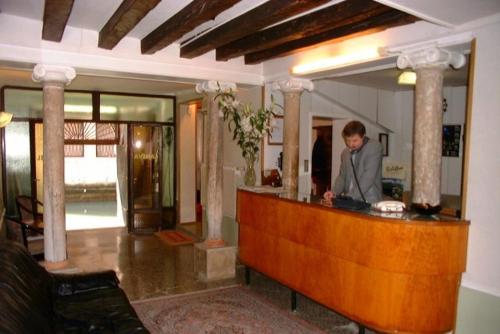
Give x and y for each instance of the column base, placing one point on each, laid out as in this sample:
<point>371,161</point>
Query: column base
<point>214,263</point>
<point>426,209</point>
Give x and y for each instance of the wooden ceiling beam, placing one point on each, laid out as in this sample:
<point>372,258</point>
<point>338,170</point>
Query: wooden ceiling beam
<point>392,18</point>
<point>124,19</point>
<point>338,15</point>
<point>55,16</point>
<point>188,18</point>
<point>255,19</point>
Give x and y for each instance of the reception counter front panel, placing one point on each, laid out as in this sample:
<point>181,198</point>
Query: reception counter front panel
<point>389,274</point>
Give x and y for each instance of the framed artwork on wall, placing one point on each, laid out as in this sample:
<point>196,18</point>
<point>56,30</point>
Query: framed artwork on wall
<point>276,136</point>
<point>383,138</point>
<point>451,140</point>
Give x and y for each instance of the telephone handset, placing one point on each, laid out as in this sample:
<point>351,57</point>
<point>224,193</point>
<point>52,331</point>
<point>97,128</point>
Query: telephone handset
<point>389,206</point>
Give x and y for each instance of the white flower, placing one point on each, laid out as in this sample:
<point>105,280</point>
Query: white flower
<point>245,124</point>
<point>246,121</point>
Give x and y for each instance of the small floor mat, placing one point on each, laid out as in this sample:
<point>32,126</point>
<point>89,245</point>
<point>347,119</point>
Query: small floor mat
<point>174,238</point>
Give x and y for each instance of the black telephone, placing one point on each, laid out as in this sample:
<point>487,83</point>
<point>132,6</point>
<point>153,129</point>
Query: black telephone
<point>347,202</point>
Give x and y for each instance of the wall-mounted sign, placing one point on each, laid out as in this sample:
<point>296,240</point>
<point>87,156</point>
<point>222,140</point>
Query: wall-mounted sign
<point>146,156</point>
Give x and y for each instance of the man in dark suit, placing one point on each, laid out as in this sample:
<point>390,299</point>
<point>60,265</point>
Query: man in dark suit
<point>364,155</point>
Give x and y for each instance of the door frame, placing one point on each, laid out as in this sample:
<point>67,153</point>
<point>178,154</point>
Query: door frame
<point>131,210</point>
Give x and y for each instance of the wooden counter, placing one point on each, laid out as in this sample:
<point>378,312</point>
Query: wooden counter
<point>391,275</point>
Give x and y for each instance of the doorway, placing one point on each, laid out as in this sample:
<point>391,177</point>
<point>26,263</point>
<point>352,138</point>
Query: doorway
<point>145,190</point>
<point>321,157</point>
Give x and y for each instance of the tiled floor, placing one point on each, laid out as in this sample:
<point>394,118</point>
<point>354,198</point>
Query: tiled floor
<point>147,268</point>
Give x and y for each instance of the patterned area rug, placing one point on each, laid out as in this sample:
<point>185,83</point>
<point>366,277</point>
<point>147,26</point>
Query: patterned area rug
<point>218,311</point>
<point>174,238</point>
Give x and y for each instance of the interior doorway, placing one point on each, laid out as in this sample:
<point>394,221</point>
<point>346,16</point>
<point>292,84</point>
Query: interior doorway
<point>321,159</point>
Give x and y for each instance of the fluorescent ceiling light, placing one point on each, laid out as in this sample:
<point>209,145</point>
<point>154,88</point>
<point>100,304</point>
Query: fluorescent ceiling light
<point>332,62</point>
<point>77,108</point>
<point>88,108</point>
<point>407,78</point>
<point>108,110</point>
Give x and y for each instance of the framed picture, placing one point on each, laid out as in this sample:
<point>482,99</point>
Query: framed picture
<point>276,136</point>
<point>383,138</point>
<point>451,140</point>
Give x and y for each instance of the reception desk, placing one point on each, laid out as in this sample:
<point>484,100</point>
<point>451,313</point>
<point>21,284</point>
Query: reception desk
<point>397,274</point>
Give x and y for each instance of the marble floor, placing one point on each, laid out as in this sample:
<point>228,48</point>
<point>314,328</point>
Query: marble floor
<point>148,268</point>
<point>92,215</point>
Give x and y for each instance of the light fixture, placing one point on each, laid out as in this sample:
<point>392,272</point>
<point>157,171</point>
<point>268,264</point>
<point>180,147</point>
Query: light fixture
<point>138,144</point>
<point>338,61</point>
<point>5,118</point>
<point>88,108</point>
<point>407,78</point>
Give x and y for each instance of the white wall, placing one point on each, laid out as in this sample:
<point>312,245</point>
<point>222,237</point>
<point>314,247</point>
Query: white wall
<point>483,187</point>
<point>187,163</point>
<point>451,176</point>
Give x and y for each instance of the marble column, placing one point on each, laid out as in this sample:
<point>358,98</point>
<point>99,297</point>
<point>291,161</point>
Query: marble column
<point>429,64</point>
<point>53,79</point>
<point>214,159</point>
<point>213,260</point>
<point>292,89</point>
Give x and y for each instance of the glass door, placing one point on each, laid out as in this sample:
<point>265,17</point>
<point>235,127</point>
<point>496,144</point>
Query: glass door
<point>146,178</point>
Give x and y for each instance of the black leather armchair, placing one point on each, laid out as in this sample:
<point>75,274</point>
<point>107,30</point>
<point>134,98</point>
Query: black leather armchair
<point>33,300</point>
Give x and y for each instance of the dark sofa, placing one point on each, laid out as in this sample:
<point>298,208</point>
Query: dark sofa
<point>32,300</point>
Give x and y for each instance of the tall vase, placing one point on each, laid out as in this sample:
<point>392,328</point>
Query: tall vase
<point>250,171</point>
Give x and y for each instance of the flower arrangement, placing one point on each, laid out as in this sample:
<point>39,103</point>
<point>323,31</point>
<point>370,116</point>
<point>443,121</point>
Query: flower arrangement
<point>248,126</point>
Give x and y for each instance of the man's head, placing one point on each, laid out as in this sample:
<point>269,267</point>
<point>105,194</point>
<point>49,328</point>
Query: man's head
<point>354,134</point>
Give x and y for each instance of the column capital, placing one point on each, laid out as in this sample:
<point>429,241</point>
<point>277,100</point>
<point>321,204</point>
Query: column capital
<point>53,73</point>
<point>212,86</point>
<point>430,57</point>
<point>291,85</point>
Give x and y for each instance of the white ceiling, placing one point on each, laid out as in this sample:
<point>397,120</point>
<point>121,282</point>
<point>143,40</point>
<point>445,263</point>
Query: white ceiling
<point>93,14</point>
<point>450,13</point>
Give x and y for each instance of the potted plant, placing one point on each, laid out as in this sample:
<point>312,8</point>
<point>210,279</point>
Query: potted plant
<point>248,126</point>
